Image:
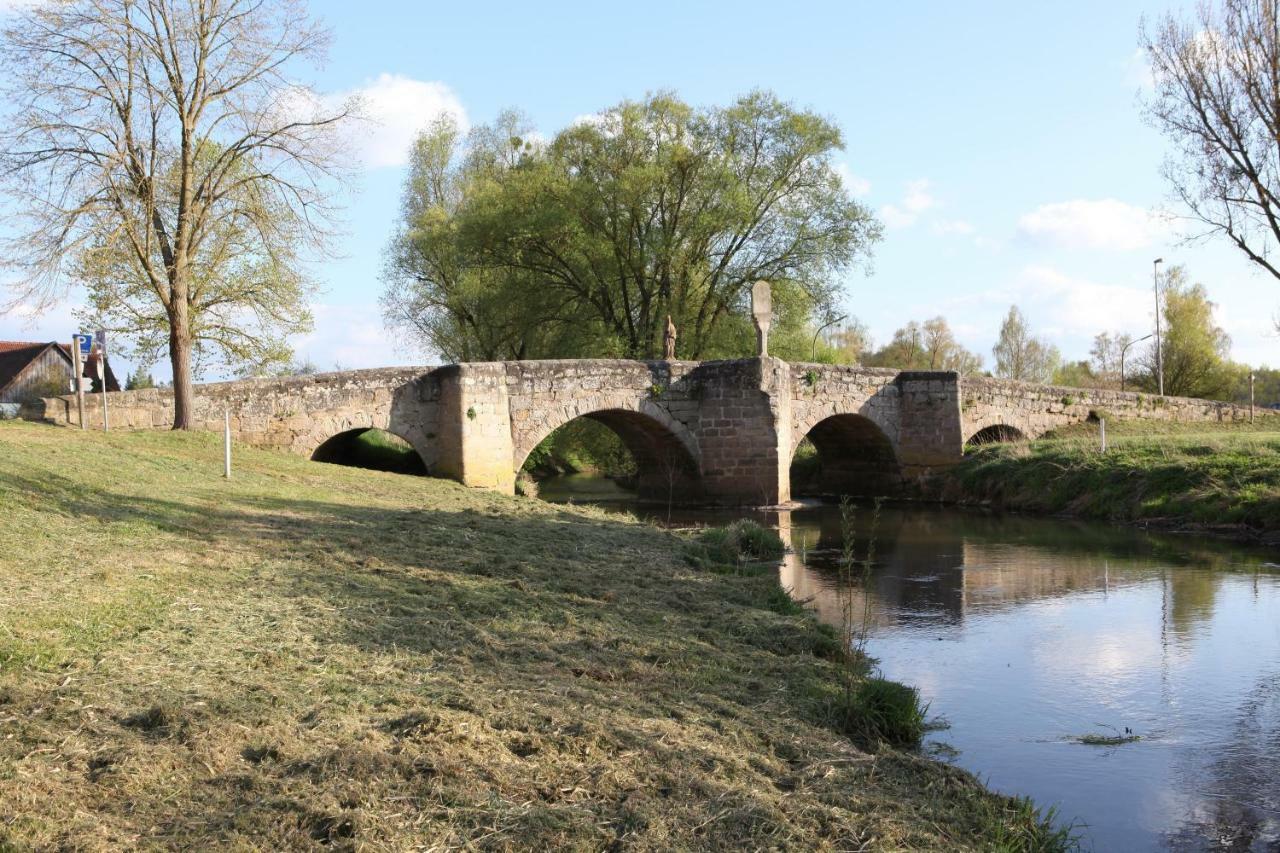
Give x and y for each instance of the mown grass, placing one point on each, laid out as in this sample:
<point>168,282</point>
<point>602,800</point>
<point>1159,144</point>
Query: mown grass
<point>1177,474</point>
<point>311,655</point>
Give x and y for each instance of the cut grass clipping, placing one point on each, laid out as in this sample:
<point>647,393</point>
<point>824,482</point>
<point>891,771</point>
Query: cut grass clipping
<point>313,654</point>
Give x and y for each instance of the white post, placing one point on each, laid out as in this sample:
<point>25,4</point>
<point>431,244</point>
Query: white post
<point>226,444</point>
<point>1102,432</point>
<point>102,371</point>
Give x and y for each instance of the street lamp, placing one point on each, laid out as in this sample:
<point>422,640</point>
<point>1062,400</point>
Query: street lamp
<point>1124,349</point>
<point>1155,284</point>
<point>813,356</point>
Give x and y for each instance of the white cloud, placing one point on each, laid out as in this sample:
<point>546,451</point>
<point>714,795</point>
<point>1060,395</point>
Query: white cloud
<point>396,109</point>
<point>353,337</point>
<point>1138,71</point>
<point>916,200</point>
<point>954,226</point>
<point>1085,224</point>
<point>857,186</point>
<point>1077,306</point>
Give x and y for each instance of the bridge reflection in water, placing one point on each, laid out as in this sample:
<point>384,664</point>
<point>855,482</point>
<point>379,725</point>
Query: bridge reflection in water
<point>1023,633</point>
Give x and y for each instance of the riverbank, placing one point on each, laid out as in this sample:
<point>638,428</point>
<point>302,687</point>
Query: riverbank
<point>311,654</point>
<point>1223,480</point>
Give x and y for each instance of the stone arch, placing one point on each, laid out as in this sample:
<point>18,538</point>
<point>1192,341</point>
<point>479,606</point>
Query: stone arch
<point>995,433</point>
<point>668,461</point>
<point>345,448</point>
<point>855,456</point>
<point>328,433</point>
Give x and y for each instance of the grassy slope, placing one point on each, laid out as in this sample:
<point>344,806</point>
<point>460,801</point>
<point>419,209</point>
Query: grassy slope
<point>1182,474</point>
<point>311,653</point>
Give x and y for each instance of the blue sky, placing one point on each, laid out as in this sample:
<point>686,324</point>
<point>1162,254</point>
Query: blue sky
<point>1001,143</point>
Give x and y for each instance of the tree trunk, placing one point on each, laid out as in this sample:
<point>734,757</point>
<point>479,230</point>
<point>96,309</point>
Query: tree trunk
<point>180,358</point>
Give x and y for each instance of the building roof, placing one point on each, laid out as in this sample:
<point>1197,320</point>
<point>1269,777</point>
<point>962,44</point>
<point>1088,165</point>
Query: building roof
<point>15,356</point>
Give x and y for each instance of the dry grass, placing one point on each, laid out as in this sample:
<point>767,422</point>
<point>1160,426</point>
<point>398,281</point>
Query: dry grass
<point>311,655</point>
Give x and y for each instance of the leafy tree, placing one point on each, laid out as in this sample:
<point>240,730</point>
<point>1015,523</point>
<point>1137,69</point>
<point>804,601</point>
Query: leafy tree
<point>926,346</point>
<point>1195,349</point>
<point>166,150</point>
<point>1217,97</point>
<point>583,245</point>
<point>139,380</point>
<point>1266,386</point>
<point>1076,374</point>
<point>849,343</point>
<point>1021,356</point>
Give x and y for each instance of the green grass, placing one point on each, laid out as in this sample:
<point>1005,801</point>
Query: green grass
<point>312,655</point>
<point>1187,475</point>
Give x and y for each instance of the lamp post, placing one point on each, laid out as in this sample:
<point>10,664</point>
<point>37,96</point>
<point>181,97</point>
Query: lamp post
<point>1124,349</point>
<point>813,355</point>
<point>1155,284</point>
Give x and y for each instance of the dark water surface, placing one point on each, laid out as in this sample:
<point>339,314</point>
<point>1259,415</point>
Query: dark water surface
<point>1023,634</point>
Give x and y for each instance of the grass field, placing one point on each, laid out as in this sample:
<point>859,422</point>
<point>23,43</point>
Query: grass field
<point>1202,476</point>
<point>312,655</point>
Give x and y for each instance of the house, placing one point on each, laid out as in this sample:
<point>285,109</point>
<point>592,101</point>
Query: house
<point>31,370</point>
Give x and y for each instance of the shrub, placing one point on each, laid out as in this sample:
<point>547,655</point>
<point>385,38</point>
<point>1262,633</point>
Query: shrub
<point>878,710</point>
<point>742,541</point>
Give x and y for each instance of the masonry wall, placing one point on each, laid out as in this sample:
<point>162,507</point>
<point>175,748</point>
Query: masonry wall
<point>1036,409</point>
<point>296,413</point>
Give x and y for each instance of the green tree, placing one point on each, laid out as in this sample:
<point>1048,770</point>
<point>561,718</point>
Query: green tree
<point>169,152</point>
<point>1195,349</point>
<point>139,380</point>
<point>930,345</point>
<point>1076,374</point>
<point>583,245</point>
<point>1021,356</point>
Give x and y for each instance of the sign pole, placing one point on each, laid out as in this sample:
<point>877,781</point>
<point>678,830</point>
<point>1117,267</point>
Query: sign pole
<point>79,378</point>
<point>1102,433</point>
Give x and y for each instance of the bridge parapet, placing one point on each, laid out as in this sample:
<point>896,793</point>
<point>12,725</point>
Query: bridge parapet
<point>723,431</point>
<point>1032,410</point>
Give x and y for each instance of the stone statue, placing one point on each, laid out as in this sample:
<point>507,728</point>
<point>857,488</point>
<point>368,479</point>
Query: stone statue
<point>762,313</point>
<point>669,341</point>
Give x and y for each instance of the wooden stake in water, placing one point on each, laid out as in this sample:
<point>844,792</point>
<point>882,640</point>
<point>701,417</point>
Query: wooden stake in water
<point>226,444</point>
<point>1102,433</point>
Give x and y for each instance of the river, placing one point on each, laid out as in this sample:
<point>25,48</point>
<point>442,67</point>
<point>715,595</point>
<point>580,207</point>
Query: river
<point>1025,634</point>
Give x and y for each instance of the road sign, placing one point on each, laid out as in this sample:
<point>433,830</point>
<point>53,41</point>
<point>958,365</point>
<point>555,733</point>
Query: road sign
<point>100,340</point>
<point>85,344</point>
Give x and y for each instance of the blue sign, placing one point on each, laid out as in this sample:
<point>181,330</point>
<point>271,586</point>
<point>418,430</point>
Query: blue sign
<point>85,342</point>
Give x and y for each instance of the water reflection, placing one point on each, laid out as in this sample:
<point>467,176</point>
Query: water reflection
<point>1024,632</point>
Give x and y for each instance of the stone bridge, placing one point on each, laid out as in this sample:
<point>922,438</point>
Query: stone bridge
<point>716,431</point>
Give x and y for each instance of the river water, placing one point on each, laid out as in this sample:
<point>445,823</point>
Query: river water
<point>1025,634</point>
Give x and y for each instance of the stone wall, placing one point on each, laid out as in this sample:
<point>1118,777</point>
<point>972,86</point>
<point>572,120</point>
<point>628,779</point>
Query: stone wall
<point>723,431</point>
<point>1036,409</point>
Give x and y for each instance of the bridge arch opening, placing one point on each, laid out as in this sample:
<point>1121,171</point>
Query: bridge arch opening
<point>372,448</point>
<point>995,434</point>
<point>639,453</point>
<point>845,455</point>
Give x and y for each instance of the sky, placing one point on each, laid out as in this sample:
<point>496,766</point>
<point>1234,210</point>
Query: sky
<point>1002,144</point>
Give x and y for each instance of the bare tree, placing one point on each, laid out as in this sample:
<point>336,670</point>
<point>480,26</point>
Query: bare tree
<point>1217,97</point>
<point>1021,356</point>
<point>163,141</point>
